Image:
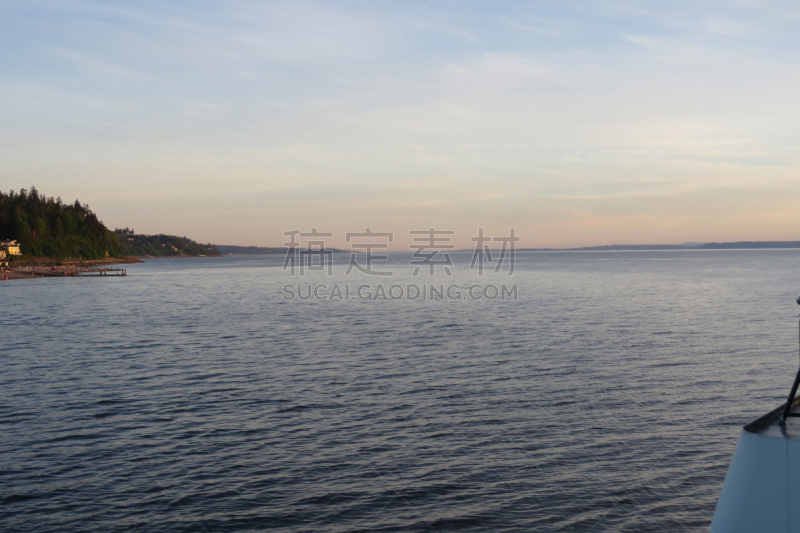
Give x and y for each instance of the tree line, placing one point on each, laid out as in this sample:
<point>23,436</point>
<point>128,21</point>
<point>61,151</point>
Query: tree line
<point>161,245</point>
<point>48,227</point>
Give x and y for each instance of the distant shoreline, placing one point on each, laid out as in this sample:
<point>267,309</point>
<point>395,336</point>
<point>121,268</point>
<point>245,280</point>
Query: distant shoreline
<point>738,245</point>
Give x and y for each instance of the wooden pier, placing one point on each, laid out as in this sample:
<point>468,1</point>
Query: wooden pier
<point>104,271</point>
<point>61,271</point>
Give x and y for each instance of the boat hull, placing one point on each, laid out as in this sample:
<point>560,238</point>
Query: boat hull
<point>762,489</point>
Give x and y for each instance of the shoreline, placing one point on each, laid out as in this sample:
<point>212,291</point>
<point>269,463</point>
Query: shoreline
<point>39,267</point>
<point>60,271</point>
<point>45,261</point>
<point>139,257</point>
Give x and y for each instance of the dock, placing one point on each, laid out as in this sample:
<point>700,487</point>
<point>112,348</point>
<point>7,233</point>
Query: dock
<point>61,271</point>
<point>104,271</point>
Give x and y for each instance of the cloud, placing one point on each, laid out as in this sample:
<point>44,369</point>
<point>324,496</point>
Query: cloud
<point>537,105</point>
<point>94,67</point>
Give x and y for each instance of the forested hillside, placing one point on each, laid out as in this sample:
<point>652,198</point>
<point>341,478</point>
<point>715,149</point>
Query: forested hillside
<point>161,245</point>
<point>47,227</point>
<point>248,250</point>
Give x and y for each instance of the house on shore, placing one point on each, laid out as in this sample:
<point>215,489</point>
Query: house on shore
<point>10,248</point>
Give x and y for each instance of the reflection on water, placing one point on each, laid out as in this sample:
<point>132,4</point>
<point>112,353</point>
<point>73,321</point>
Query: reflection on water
<point>192,397</point>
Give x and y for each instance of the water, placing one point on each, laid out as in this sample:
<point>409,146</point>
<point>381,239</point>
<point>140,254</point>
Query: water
<point>191,396</point>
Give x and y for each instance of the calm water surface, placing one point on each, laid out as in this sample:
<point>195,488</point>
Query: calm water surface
<point>191,396</point>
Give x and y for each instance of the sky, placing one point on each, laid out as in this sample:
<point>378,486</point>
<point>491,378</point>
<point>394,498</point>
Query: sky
<point>575,123</point>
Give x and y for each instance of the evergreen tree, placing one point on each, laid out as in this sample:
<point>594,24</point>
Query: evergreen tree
<point>45,227</point>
